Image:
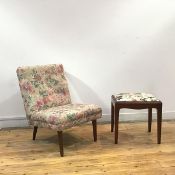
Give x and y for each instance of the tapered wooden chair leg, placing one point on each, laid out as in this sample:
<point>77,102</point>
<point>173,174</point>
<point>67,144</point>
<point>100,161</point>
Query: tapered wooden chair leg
<point>94,124</point>
<point>34,132</point>
<point>60,140</point>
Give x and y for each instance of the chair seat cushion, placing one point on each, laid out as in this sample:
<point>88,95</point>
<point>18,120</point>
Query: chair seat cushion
<point>135,97</point>
<point>66,116</point>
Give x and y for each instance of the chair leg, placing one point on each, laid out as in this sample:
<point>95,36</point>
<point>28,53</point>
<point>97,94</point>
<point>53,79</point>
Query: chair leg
<point>112,117</point>
<point>94,124</point>
<point>60,140</point>
<point>149,119</point>
<point>34,132</point>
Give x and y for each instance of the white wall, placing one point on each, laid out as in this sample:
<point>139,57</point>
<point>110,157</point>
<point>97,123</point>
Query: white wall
<point>106,46</point>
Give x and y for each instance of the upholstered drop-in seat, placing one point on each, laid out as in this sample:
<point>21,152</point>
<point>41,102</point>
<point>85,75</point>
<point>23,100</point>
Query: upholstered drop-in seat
<point>135,97</point>
<point>48,103</point>
<point>66,116</point>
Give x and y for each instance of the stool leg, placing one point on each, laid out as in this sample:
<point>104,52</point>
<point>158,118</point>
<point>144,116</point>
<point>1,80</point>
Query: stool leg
<point>159,123</point>
<point>116,123</point>
<point>112,117</point>
<point>149,119</point>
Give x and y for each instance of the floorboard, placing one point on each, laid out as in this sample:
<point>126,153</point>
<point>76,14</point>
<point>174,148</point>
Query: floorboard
<point>136,154</point>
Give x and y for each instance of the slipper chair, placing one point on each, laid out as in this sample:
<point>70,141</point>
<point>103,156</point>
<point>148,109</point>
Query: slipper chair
<point>47,101</point>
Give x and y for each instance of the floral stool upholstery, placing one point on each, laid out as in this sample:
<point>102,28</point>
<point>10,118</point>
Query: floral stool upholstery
<point>136,101</point>
<point>47,101</point>
<point>135,97</point>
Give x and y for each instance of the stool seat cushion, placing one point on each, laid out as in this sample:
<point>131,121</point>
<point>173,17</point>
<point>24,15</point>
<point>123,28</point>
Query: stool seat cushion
<point>135,97</point>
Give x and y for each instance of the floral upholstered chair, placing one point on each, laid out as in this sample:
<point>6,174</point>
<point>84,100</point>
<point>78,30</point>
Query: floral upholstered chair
<point>47,101</point>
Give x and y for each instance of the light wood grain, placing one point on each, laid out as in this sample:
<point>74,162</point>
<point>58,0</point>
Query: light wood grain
<point>136,154</point>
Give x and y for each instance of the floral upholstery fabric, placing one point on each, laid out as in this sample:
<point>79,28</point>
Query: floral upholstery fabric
<point>66,116</point>
<point>135,97</point>
<point>43,87</point>
<point>47,99</point>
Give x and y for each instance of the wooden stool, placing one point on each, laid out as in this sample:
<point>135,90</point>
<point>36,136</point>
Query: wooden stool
<point>135,101</point>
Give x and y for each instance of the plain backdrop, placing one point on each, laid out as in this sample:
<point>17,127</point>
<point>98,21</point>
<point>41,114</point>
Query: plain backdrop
<point>106,47</point>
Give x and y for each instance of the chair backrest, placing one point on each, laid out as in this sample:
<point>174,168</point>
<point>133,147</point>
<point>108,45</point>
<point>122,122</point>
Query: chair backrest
<point>43,87</point>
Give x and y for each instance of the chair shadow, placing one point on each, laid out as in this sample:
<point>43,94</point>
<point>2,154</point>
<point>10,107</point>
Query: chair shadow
<point>69,140</point>
<point>80,91</point>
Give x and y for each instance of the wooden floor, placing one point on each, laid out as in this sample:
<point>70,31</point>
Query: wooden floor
<point>136,154</point>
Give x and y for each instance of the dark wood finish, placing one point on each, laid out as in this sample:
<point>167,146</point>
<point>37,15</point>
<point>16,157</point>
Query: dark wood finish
<point>94,125</point>
<point>137,105</point>
<point>112,117</point>
<point>35,128</point>
<point>60,140</point>
<point>159,123</point>
<point>117,110</point>
<point>149,119</point>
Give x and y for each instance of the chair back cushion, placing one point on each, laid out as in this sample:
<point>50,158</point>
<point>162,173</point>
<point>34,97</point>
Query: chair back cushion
<point>43,87</point>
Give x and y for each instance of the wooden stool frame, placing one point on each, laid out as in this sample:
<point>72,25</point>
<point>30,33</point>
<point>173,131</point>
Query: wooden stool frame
<point>117,105</point>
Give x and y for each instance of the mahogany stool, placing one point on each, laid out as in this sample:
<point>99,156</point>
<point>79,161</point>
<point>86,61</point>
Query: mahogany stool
<point>136,101</point>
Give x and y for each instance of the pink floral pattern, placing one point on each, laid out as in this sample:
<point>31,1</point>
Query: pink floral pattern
<point>66,116</point>
<point>47,99</point>
<point>43,87</point>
